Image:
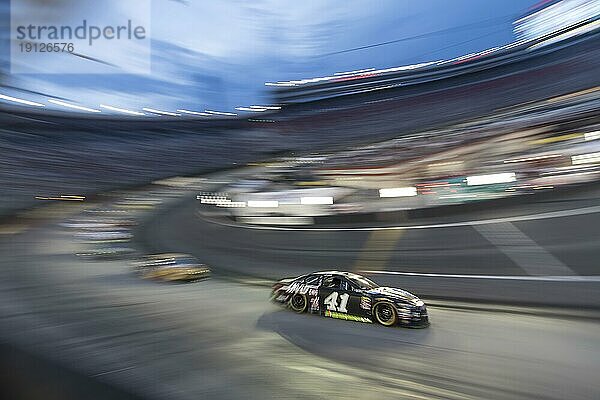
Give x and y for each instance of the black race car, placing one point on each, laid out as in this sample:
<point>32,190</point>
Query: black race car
<point>349,296</point>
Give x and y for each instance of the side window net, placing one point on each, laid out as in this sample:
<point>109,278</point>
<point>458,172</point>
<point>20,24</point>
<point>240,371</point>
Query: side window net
<point>312,280</point>
<point>334,282</point>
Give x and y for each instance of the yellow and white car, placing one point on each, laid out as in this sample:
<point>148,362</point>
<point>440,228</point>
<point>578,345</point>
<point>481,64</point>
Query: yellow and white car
<point>171,267</point>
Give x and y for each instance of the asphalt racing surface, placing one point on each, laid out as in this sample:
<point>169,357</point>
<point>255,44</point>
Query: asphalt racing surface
<point>221,340</point>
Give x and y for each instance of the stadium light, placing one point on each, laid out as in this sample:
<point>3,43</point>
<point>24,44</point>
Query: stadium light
<point>160,112</point>
<point>121,110</point>
<point>316,200</point>
<point>69,105</point>
<point>592,135</point>
<point>588,158</point>
<point>219,113</point>
<point>203,114</point>
<point>251,109</point>
<point>263,203</point>
<point>20,101</point>
<point>398,192</point>
<point>491,179</point>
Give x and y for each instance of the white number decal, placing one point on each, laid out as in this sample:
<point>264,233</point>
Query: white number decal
<point>331,302</point>
<point>343,301</point>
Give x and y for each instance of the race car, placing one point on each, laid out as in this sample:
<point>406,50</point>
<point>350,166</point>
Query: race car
<point>349,296</point>
<point>171,267</point>
<point>107,251</point>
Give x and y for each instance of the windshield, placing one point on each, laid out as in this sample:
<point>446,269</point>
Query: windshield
<point>362,282</point>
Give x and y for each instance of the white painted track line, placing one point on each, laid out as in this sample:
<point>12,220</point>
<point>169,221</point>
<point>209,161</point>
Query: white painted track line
<point>522,250</point>
<point>565,278</point>
<point>531,217</point>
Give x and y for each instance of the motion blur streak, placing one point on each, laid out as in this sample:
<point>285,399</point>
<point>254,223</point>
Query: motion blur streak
<point>472,181</point>
<point>160,112</point>
<point>20,101</point>
<point>121,110</point>
<point>76,107</point>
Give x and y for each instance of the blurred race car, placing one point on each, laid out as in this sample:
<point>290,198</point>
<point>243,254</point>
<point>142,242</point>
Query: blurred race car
<point>349,296</point>
<point>107,251</point>
<point>111,234</point>
<point>172,267</point>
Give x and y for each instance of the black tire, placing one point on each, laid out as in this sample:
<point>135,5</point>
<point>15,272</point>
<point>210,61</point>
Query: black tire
<point>385,313</point>
<point>298,303</point>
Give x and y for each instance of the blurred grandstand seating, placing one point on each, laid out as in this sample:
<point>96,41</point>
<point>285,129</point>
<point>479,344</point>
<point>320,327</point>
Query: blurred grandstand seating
<point>49,154</point>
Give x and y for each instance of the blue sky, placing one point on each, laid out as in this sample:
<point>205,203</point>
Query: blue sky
<point>218,54</point>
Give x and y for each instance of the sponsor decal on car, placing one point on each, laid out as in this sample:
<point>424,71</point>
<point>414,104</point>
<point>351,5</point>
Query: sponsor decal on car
<point>282,297</point>
<point>302,289</point>
<point>347,317</point>
<point>365,303</point>
<point>404,313</point>
<point>314,304</point>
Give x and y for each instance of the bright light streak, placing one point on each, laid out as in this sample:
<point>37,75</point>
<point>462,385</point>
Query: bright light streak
<point>592,135</point>
<point>250,109</point>
<point>279,84</point>
<point>573,32</point>
<point>152,110</point>
<point>406,67</point>
<point>263,203</point>
<point>219,113</point>
<point>585,158</point>
<point>491,179</point>
<point>533,158</point>
<point>398,192</point>
<point>358,71</point>
<point>232,204</point>
<point>342,74</point>
<point>20,101</point>
<point>68,105</point>
<point>121,110</point>
<point>213,200</point>
<point>267,107</point>
<point>221,201</point>
<point>316,200</point>
<point>203,114</point>
<point>61,198</point>
<point>277,220</point>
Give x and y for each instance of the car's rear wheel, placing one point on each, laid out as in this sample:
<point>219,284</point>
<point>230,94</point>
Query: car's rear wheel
<point>298,303</point>
<point>385,313</point>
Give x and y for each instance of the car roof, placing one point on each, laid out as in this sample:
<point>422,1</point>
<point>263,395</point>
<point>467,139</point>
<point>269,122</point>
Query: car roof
<point>168,255</point>
<point>339,273</point>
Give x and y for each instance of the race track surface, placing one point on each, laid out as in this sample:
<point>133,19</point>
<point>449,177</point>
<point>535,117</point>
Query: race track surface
<point>222,340</point>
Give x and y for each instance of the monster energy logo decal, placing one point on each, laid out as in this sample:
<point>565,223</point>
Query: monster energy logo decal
<point>338,315</point>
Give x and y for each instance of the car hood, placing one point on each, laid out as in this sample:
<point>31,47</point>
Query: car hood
<point>394,294</point>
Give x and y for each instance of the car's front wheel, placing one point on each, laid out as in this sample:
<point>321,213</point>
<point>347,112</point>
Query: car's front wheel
<point>385,313</point>
<point>298,302</point>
